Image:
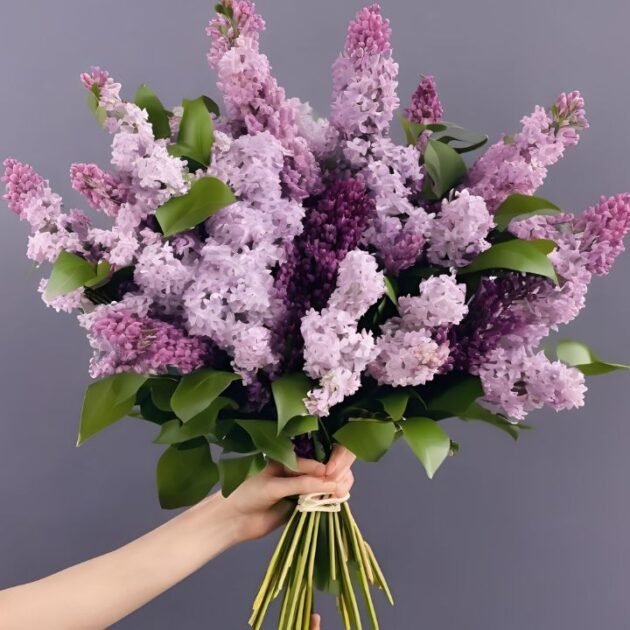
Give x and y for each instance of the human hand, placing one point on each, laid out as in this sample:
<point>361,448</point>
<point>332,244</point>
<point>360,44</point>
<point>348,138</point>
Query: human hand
<point>257,507</point>
<point>316,621</point>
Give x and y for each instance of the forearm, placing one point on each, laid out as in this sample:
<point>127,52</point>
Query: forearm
<point>99,592</point>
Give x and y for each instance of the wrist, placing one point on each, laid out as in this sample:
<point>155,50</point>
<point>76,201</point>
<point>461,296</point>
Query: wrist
<point>218,528</point>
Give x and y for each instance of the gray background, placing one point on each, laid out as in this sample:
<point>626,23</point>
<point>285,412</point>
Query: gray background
<point>533,535</point>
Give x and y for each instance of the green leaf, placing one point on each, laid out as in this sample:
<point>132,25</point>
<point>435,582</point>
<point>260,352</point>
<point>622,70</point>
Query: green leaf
<point>101,275</point>
<point>93,99</point>
<point>162,390</point>
<point>147,99</point>
<point>516,255</point>
<point>456,398</point>
<point>289,392</point>
<point>412,130</point>
<point>70,272</point>
<point>429,442</point>
<point>265,438</point>
<point>197,391</point>
<point>196,131</point>
<point>519,207</point>
<point>203,424</point>
<point>369,440</point>
<point>206,196</point>
<point>169,432</point>
<point>107,401</point>
<point>395,404</point>
<point>444,165</point>
<point>186,474</point>
<point>211,106</point>
<point>477,412</point>
<point>300,425</point>
<point>464,140</point>
<point>391,291</point>
<point>150,412</point>
<point>234,471</point>
<point>579,355</point>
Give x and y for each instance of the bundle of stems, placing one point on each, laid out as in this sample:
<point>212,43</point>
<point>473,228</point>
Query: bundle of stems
<point>323,550</point>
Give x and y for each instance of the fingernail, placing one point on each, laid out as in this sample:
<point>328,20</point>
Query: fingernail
<point>330,468</point>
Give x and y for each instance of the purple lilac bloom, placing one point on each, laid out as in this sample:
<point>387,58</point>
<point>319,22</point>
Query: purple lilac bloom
<point>518,382</point>
<point>601,231</point>
<point>493,317</point>
<point>332,228</point>
<point>426,107</point>
<point>519,164</point>
<point>22,183</point>
<point>127,342</point>
<point>102,190</point>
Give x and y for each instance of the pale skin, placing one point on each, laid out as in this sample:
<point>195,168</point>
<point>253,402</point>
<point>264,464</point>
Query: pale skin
<point>102,591</point>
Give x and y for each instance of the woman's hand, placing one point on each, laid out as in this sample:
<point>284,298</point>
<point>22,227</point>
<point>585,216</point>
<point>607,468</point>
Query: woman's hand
<point>100,592</point>
<point>316,622</point>
<point>257,507</point>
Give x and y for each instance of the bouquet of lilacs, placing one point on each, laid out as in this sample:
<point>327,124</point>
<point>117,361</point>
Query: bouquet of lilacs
<point>273,283</point>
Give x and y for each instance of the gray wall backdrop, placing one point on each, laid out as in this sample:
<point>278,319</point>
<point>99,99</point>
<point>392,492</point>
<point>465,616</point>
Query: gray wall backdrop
<point>512,536</point>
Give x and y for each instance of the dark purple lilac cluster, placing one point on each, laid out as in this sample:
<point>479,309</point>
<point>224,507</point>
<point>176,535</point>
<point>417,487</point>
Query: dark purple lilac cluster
<point>332,228</point>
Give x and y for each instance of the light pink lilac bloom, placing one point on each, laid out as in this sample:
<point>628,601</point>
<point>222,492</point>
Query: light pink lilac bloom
<point>365,77</point>
<point>335,352</point>
<point>519,164</point>
<point>408,357</point>
<point>412,349</point>
<point>442,302</point>
<point>67,303</point>
<point>152,174</point>
<point>224,32</point>
<point>231,296</point>
<point>255,102</point>
<point>518,382</point>
<point>587,245</point>
<point>399,229</point>
<point>230,301</point>
<point>52,230</point>
<point>459,231</point>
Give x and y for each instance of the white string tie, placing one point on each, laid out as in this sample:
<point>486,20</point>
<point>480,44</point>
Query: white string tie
<point>317,502</point>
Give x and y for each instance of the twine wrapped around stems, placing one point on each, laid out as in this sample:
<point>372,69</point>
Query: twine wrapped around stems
<point>317,502</point>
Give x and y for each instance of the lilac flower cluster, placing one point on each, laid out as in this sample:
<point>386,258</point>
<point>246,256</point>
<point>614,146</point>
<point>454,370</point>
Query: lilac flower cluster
<point>412,349</point>
<point>426,107</point>
<point>519,163</point>
<point>126,339</point>
<point>332,228</point>
<point>292,276</point>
